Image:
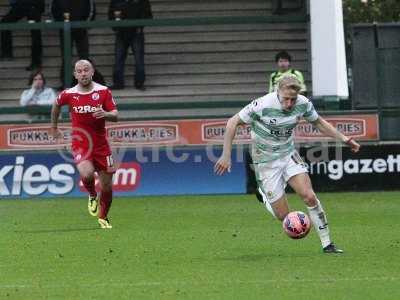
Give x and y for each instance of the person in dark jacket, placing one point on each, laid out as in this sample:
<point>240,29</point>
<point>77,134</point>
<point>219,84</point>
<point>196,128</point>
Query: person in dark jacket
<point>32,10</point>
<point>74,10</point>
<point>126,37</point>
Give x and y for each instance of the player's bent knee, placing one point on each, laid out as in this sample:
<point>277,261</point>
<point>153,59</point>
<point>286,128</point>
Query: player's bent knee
<point>280,208</point>
<point>310,198</point>
<point>106,187</point>
<point>87,176</point>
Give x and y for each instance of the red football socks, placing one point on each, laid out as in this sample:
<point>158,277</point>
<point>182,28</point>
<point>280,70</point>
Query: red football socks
<point>105,203</point>
<point>89,185</point>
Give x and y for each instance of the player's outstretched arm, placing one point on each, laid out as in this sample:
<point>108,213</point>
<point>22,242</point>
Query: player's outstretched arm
<point>55,114</point>
<point>224,162</point>
<point>329,130</point>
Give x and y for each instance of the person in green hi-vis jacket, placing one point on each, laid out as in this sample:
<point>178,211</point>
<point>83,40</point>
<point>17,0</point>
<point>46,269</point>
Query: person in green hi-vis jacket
<point>283,60</point>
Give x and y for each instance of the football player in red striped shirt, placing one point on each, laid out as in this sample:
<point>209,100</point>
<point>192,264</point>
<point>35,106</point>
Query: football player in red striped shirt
<point>90,105</point>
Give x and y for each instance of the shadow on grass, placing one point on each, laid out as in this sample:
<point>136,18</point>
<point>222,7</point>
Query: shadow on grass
<point>57,230</point>
<point>248,257</point>
<point>268,256</point>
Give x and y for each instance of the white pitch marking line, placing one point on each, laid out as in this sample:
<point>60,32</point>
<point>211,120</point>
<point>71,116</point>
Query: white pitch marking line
<point>156,283</point>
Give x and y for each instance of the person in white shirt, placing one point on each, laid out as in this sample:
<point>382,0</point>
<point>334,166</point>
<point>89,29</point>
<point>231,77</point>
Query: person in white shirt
<point>38,94</point>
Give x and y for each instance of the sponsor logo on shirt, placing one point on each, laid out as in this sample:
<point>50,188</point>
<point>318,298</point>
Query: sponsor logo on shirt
<point>84,109</point>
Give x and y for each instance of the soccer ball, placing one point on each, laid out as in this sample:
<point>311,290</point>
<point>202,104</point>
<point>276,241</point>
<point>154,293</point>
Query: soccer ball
<point>296,224</point>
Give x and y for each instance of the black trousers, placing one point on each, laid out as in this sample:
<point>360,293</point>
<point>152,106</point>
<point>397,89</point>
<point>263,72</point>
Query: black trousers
<point>124,41</point>
<point>15,14</point>
<point>80,38</point>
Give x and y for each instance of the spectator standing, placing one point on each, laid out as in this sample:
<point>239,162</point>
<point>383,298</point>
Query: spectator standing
<point>126,37</point>
<point>38,94</point>
<point>283,61</point>
<point>32,10</point>
<point>74,10</point>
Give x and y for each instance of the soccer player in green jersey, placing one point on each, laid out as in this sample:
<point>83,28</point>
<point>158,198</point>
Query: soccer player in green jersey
<point>273,118</point>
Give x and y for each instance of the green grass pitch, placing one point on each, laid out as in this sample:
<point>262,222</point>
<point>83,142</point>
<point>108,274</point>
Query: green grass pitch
<point>197,247</point>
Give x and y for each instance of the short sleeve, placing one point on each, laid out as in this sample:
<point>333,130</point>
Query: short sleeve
<point>62,99</point>
<point>249,112</point>
<point>311,114</point>
<point>109,103</point>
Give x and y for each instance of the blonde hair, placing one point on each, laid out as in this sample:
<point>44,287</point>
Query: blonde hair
<point>289,82</point>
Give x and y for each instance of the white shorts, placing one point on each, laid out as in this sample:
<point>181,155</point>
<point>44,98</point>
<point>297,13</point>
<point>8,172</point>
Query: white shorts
<point>272,177</point>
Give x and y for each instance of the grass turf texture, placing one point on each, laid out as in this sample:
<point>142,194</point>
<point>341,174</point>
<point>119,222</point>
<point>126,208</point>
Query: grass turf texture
<point>197,247</point>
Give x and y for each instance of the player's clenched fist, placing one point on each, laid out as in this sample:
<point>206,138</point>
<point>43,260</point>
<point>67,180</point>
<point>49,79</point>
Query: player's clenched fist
<point>99,113</point>
<point>55,133</point>
<point>354,146</point>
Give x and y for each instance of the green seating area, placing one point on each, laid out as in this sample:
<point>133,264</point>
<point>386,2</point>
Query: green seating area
<point>195,53</point>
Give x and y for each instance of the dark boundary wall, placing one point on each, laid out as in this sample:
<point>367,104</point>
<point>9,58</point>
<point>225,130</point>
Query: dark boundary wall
<point>181,171</point>
<point>373,168</point>
<point>141,172</point>
<point>376,65</point>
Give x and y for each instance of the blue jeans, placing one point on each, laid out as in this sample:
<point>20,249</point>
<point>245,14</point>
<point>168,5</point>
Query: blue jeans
<point>124,40</point>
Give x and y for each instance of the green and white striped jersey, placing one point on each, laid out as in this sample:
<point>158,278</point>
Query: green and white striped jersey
<point>272,128</point>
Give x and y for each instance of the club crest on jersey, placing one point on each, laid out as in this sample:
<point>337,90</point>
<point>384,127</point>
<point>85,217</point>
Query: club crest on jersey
<point>95,96</point>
